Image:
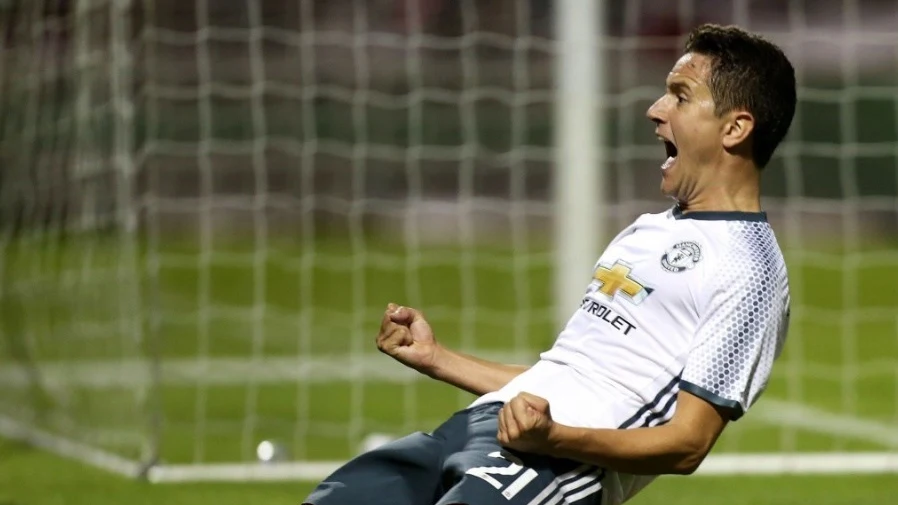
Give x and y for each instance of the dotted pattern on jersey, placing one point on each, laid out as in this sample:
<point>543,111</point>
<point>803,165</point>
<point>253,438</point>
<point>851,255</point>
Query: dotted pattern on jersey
<point>747,319</point>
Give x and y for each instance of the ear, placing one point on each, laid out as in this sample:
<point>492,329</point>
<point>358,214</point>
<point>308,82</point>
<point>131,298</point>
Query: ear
<point>738,128</point>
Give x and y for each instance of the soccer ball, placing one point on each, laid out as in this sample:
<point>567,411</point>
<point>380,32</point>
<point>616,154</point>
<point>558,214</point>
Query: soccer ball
<point>269,451</point>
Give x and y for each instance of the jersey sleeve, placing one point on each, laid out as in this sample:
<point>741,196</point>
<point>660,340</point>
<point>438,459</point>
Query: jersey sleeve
<point>743,328</point>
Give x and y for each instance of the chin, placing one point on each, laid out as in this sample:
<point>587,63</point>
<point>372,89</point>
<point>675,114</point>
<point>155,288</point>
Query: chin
<point>666,190</point>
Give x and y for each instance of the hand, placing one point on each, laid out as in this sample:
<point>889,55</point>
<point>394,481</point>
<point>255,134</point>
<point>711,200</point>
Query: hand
<point>525,423</point>
<point>407,337</point>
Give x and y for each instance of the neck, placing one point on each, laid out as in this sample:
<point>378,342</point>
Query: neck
<point>729,189</point>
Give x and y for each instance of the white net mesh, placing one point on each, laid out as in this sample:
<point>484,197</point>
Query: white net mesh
<point>69,285</point>
<point>320,160</point>
<point>303,163</point>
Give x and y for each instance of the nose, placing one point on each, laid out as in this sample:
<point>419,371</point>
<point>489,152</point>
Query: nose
<point>656,112</point>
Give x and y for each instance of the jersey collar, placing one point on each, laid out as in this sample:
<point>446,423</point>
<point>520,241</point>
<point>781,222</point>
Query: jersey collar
<point>712,215</point>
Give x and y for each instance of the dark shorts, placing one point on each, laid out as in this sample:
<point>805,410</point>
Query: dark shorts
<point>459,463</point>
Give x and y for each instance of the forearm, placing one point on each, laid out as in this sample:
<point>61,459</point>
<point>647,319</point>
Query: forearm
<point>472,374</point>
<point>660,450</point>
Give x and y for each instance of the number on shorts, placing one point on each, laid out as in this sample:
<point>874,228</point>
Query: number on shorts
<point>486,473</point>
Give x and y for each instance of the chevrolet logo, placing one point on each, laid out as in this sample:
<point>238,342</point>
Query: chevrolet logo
<point>617,279</point>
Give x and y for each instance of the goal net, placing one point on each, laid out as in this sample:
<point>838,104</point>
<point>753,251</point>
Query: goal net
<point>70,269</point>
<point>206,206</point>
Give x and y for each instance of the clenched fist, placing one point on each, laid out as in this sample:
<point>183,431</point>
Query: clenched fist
<point>406,337</point>
<point>525,423</point>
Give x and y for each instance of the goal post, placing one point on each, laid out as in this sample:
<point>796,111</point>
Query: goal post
<point>579,169</point>
<point>205,208</point>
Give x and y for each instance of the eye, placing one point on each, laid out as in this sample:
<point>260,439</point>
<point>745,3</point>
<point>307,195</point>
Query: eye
<point>681,99</point>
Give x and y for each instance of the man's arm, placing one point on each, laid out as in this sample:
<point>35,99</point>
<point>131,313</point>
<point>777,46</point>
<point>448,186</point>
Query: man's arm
<point>677,447</point>
<point>407,337</point>
<point>472,374</point>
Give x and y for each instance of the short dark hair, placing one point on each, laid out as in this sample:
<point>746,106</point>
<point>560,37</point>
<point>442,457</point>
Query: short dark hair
<point>750,73</point>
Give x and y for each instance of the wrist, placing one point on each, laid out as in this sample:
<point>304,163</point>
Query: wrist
<point>438,366</point>
<point>557,439</point>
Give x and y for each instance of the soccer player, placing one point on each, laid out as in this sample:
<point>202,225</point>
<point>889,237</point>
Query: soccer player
<point>675,337</point>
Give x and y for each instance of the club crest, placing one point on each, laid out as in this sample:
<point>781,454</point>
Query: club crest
<point>682,256</point>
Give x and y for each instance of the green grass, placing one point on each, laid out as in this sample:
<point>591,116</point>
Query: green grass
<point>330,308</point>
<point>31,477</point>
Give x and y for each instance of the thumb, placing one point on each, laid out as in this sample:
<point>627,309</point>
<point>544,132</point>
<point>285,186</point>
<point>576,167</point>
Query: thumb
<point>535,402</point>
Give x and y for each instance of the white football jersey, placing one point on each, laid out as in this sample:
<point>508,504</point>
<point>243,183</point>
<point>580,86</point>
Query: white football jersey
<point>696,301</point>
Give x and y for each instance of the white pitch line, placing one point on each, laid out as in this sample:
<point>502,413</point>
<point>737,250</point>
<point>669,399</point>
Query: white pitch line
<point>128,373</point>
<point>783,413</point>
<point>134,373</point>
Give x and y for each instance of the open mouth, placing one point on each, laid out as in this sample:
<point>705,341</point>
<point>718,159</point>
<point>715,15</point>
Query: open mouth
<point>671,150</point>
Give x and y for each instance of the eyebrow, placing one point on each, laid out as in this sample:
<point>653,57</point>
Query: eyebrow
<point>678,87</point>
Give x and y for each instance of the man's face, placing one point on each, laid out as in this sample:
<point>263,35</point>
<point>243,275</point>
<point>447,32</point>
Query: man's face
<point>692,133</point>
